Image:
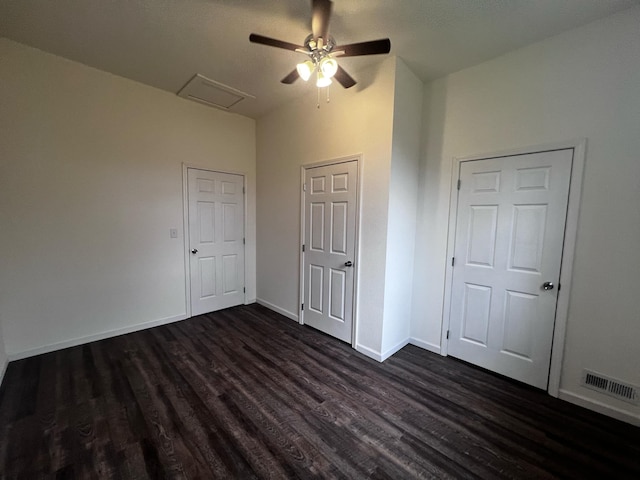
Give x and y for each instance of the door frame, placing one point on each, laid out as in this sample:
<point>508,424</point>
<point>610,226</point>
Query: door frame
<point>356,274</point>
<point>185,227</point>
<point>579,147</point>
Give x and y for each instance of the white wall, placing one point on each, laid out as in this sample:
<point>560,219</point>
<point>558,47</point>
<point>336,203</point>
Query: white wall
<point>403,198</point>
<point>90,184</point>
<point>584,83</point>
<point>432,220</point>
<point>380,119</point>
<point>356,121</point>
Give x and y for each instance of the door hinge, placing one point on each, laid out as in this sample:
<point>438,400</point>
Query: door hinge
<point>447,334</point>
<point>459,183</point>
<point>559,286</point>
<point>453,261</point>
<point>303,247</point>
<point>302,307</point>
<point>244,241</point>
<point>304,187</point>
<point>243,190</point>
<point>244,289</point>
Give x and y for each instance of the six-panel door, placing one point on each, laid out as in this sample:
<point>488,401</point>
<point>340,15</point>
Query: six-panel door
<point>508,244</point>
<point>330,218</point>
<point>216,237</point>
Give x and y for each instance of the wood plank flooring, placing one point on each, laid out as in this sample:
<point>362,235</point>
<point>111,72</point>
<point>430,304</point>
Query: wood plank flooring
<point>245,393</point>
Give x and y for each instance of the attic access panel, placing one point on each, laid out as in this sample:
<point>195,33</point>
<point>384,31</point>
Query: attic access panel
<point>209,92</point>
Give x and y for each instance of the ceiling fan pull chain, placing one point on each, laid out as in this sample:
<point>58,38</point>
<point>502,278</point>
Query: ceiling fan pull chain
<point>328,94</point>
<point>318,103</point>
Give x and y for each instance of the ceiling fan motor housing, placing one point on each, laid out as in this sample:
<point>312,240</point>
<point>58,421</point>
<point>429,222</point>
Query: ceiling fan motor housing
<point>317,51</point>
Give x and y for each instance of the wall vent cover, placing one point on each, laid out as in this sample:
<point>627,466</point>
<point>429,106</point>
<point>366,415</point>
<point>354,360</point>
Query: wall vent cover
<point>209,92</point>
<point>610,386</point>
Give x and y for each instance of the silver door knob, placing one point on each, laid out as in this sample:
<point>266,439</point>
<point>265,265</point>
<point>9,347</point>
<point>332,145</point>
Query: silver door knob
<point>547,286</point>
<point>348,264</point>
<point>194,251</point>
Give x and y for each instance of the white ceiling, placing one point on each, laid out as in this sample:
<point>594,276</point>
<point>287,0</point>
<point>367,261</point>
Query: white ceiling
<point>163,43</point>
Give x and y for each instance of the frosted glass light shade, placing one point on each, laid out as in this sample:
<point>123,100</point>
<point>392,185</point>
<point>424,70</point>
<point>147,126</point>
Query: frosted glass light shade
<point>305,69</point>
<point>323,80</point>
<point>328,66</point>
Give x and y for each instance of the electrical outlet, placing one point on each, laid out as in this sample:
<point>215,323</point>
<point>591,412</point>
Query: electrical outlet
<point>173,233</point>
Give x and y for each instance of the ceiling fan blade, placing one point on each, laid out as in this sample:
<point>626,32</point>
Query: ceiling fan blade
<point>292,77</point>
<point>344,78</point>
<point>320,16</point>
<point>272,42</point>
<point>373,47</point>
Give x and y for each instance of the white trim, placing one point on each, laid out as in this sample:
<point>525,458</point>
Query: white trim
<point>394,349</point>
<point>92,338</point>
<point>211,169</point>
<point>3,369</point>
<point>358,158</point>
<point>333,161</point>
<point>303,172</point>
<point>185,227</point>
<point>376,355</point>
<point>431,347</point>
<point>185,239</point>
<point>566,268</point>
<point>451,241</point>
<point>356,276</point>
<point>600,407</point>
<point>277,309</point>
<point>369,352</point>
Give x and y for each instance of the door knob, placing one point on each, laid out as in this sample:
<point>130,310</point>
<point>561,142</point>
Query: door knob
<point>348,264</point>
<point>547,286</point>
<point>194,251</point>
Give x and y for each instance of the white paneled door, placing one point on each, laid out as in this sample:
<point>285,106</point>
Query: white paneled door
<point>216,240</point>
<point>508,248</point>
<point>329,248</point>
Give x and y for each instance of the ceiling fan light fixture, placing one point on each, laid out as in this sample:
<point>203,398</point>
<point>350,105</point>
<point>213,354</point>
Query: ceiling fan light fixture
<point>323,80</point>
<point>328,66</point>
<point>305,69</point>
<point>321,50</point>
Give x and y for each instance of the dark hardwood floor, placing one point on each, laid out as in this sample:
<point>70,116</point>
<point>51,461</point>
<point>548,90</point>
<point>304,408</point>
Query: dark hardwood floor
<point>246,393</point>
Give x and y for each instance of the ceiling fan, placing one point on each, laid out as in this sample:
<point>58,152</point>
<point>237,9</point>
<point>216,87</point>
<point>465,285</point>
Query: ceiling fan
<point>321,49</point>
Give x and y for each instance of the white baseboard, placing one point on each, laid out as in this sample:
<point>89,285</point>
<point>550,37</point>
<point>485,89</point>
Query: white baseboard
<point>600,407</point>
<point>432,347</point>
<point>275,308</point>
<point>369,352</point>
<point>378,356</point>
<point>394,349</point>
<point>92,338</point>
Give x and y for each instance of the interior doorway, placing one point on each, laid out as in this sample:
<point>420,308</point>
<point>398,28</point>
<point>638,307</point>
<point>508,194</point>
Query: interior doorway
<point>215,240</point>
<point>329,235</point>
<point>510,225</point>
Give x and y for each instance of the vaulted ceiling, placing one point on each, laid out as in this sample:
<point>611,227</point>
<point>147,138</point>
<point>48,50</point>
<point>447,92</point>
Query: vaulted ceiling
<point>163,43</point>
